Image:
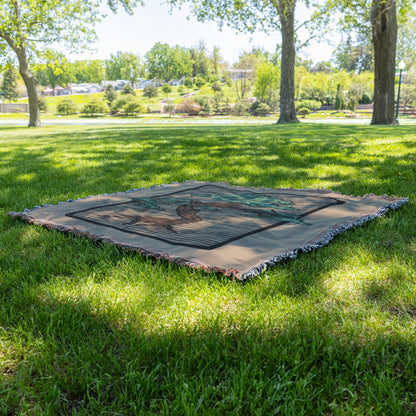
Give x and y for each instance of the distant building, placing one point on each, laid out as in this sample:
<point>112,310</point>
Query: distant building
<point>177,82</point>
<point>84,88</point>
<point>117,84</point>
<point>146,82</point>
<point>48,90</point>
<point>239,73</point>
<point>320,67</point>
<point>57,90</point>
<point>78,89</point>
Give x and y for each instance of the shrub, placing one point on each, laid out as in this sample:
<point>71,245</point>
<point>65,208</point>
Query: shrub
<point>366,99</point>
<point>216,87</point>
<point>219,98</point>
<point>260,109</point>
<point>312,105</point>
<point>66,106</point>
<point>207,103</point>
<point>304,111</point>
<point>189,82</point>
<point>241,108</point>
<point>128,90</point>
<point>213,79</point>
<point>199,82</point>
<point>133,107</point>
<point>339,99</point>
<point>42,104</point>
<point>117,105</point>
<point>352,103</point>
<point>189,106</point>
<point>128,104</point>
<point>110,94</point>
<point>354,95</point>
<point>167,89</point>
<point>181,89</point>
<point>150,91</point>
<point>169,108</point>
<point>328,100</point>
<point>339,102</point>
<point>94,107</point>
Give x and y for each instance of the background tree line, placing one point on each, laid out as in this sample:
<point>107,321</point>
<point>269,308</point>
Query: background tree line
<point>27,27</point>
<point>163,62</point>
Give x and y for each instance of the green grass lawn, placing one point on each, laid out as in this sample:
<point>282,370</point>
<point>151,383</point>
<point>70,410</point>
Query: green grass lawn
<point>152,104</point>
<point>90,329</point>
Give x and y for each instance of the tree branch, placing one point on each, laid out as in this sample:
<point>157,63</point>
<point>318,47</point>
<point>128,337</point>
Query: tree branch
<point>9,41</point>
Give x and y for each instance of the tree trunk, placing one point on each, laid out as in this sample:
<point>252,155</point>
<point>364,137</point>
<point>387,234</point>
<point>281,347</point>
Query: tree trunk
<point>30,82</point>
<point>286,9</point>
<point>28,78</point>
<point>384,28</point>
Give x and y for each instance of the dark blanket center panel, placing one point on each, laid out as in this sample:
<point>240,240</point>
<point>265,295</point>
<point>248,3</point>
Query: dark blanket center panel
<point>207,216</point>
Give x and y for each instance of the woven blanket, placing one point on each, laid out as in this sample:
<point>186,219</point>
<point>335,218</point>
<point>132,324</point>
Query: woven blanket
<point>234,230</point>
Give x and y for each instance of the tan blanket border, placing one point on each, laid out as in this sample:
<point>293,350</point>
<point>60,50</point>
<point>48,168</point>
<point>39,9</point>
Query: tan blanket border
<point>389,203</point>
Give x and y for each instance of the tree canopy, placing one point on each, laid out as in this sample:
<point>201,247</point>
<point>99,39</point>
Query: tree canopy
<point>124,65</point>
<point>251,15</point>
<point>166,63</point>
<point>377,20</point>
<point>8,89</point>
<point>29,27</point>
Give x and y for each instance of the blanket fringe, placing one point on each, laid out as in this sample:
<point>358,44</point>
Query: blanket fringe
<point>254,271</point>
<point>326,239</point>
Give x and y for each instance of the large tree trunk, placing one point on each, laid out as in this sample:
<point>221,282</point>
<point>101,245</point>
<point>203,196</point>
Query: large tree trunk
<point>30,82</point>
<point>286,9</point>
<point>384,27</point>
<point>28,78</point>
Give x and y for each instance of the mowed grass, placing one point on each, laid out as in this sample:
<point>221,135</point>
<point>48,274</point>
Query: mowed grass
<point>152,104</point>
<point>90,329</point>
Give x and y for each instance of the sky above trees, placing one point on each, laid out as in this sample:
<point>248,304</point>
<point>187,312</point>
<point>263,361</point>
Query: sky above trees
<point>153,23</point>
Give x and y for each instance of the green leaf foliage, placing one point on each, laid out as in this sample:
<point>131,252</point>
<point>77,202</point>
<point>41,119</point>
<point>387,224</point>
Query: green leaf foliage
<point>94,107</point>
<point>110,94</point>
<point>166,63</point>
<point>241,108</point>
<point>128,90</point>
<point>66,106</point>
<point>260,109</point>
<point>150,91</point>
<point>207,103</point>
<point>304,111</point>
<point>244,15</point>
<point>166,88</point>
<point>133,107</point>
<point>124,65</point>
<point>34,25</point>
<point>9,86</point>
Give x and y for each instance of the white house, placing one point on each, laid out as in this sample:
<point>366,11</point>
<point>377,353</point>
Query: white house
<point>177,82</point>
<point>117,84</point>
<point>146,82</point>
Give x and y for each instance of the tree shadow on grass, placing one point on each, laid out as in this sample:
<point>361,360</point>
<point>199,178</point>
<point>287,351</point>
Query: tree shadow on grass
<point>74,356</point>
<point>57,165</point>
<point>88,328</point>
<point>77,355</point>
<point>90,161</point>
<point>110,160</point>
